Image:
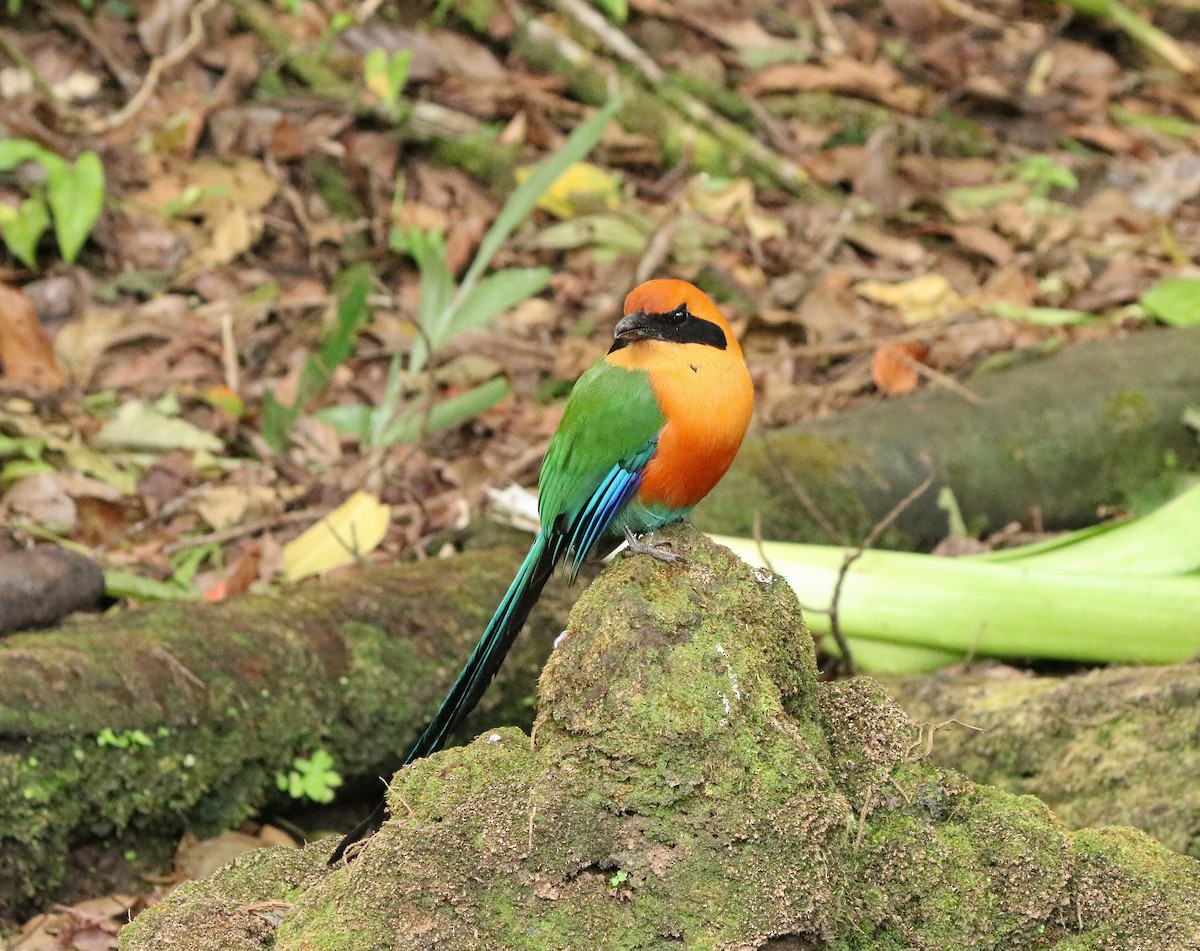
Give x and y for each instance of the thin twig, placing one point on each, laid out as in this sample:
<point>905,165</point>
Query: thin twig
<point>13,52</point>
<point>926,739</point>
<point>846,348</point>
<point>964,11</point>
<point>873,536</point>
<point>249,528</point>
<point>158,66</point>
<point>806,501</point>
<point>616,40</point>
<point>938,377</point>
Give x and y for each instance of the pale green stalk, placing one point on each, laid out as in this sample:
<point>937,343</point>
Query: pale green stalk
<point>1006,610</point>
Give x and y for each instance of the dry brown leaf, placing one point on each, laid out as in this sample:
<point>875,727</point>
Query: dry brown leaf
<point>200,859</point>
<point>918,18</point>
<point>892,370</point>
<point>26,355</point>
<point>836,165</point>
<point>224,505</point>
<point>878,81</point>
<point>886,246</point>
<point>1009,285</point>
<point>830,311</point>
<point>1104,135</point>
<point>982,241</point>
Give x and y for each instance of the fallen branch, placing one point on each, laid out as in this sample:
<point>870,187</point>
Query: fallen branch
<point>179,716</point>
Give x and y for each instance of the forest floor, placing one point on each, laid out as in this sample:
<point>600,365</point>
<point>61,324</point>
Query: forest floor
<point>881,197</point>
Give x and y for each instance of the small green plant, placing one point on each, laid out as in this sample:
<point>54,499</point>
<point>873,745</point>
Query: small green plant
<point>1041,173</point>
<point>352,313</point>
<point>619,878</point>
<point>123,740</point>
<point>312,778</point>
<point>448,309</point>
<point>71,197</point>
<point>385,74</point>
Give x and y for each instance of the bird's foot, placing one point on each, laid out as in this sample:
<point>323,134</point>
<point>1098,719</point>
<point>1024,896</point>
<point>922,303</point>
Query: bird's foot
<point>654,551</point>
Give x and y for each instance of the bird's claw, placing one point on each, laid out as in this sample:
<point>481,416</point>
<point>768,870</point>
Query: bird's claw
<point>654,551</point>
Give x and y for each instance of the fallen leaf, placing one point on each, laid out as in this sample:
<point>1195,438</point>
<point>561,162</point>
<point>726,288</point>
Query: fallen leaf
<point>139,425</point>
<point>879,81</point>
<point>1175,301</point>
<point>830,312</point>
<point>201,859</point>
<point>901,250</point>
<point>582,187</point>
<point>918,299</point>
<point>42,499</point>
<point>354,529</point>
<point>892,370</point>
<point>26,354</point>
<point>982,241</point>
<point>224,505</point>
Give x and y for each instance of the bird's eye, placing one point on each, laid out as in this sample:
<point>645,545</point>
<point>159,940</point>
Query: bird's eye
<point>679,315</point>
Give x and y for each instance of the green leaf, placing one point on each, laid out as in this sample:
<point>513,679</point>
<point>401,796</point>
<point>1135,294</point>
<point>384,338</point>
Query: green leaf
<point>352,313</point>
<point>138,425</point>
<point>385,75</point>
<point>15,151</point>
<point>125,584</point>
<point>23,228</point>
<point>615,10</point>
<point>610,231</point>
<point>277,420</point>
<point>525,197</point>
<point>446,414</point>
<point>76,197</point>
<point>1175,301</point>
<point>352,420</point>
<point>1042,316</point>
<point>428,249</point>
<point>495,294</point>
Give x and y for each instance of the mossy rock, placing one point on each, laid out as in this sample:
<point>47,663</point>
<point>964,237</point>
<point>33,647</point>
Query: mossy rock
<point>690,783</point>
<point>1116,745</point>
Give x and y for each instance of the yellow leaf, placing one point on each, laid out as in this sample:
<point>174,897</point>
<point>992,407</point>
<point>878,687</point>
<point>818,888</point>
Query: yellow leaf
<point>921,298</point>
<point>582,187</point>
<point>354,529</point>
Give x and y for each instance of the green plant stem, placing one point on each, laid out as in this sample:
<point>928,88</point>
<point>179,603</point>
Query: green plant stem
<point>1140,31</point>
<point>967,606</point>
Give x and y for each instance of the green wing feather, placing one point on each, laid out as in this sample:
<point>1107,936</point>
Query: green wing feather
<point>612,418</point>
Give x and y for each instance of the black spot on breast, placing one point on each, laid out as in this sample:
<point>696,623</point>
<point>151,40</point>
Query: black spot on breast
<point>695,369</point>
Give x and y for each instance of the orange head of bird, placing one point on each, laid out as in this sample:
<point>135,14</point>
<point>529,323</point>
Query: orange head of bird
<point>675,312</point>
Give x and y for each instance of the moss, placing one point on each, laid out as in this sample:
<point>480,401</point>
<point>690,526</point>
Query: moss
<point>690,782</point>
<point>1110,746</point>
<point>208,702</point>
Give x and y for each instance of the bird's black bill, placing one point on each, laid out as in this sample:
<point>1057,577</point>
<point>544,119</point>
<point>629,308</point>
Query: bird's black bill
<point>676,326</point>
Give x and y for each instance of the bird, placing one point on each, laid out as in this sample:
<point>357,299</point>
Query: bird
<point>648,430</point>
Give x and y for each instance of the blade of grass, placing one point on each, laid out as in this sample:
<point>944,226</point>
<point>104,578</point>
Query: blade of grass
<point>523,199</point>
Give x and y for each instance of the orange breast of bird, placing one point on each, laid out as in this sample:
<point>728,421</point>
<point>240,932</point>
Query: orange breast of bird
<point>706,397</point>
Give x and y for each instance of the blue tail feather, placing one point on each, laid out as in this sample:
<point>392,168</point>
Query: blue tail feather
<point>489,653</point>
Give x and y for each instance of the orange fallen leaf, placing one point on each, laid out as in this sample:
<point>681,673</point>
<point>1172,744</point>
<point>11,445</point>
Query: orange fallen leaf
<point>25,350</point>
<point>892,368</point>
<point>216,593</point>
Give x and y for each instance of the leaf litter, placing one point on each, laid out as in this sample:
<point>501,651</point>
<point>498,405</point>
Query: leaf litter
<point>980,179</point>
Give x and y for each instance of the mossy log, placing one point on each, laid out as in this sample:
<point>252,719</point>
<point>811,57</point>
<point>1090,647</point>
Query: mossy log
<point>1111,746</point>
<point>1062,436</point>
<point>691,783</point>
<point>181,715</point>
